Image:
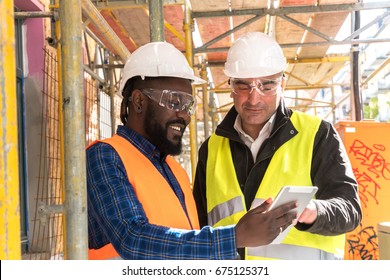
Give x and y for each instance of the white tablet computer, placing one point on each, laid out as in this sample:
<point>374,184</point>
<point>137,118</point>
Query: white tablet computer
<point>302,195</point>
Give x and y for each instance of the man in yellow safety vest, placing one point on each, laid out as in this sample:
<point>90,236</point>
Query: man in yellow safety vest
<point>261,146</point>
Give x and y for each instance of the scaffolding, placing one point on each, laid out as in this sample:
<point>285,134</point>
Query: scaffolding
<point>79,101</point>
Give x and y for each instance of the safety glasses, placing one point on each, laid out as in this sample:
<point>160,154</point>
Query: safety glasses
<point>264,87</point>
<point>172,99</point>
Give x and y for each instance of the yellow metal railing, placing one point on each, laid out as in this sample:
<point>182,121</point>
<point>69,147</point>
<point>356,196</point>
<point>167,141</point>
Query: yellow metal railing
<point>9,170</point>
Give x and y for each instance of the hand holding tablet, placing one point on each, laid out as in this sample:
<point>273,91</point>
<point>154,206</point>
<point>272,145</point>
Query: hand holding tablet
<point>301,194</point>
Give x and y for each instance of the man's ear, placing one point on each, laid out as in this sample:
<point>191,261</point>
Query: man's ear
<point>138,100</point>
<point>284,82</point>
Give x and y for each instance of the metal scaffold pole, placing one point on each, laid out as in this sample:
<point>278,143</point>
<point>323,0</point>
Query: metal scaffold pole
<point>192,125</point>
<point>9,171</point>
<point>206,100</point>
<point>75,201</point>
<point>357,102</point>
<point>111,89</point>
<point>156,21</point>
<point>93,14</point>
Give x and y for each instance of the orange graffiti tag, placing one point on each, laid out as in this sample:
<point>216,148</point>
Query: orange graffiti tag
<point>373,160</point>
<point>367,187</point>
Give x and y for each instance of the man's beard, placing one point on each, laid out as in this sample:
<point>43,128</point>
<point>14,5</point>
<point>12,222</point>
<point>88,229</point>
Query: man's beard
<point>158,134</point>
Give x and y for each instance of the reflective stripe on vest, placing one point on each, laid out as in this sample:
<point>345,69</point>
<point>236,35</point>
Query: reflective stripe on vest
<point>160,203</point>
<point>290,165</point>
<point>290,252</point>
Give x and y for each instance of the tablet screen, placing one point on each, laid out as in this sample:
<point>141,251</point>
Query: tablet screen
<point>301,194</point>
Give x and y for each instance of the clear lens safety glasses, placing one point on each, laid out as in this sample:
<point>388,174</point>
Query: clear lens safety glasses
<point>263,87</point>
<point>172,99</point>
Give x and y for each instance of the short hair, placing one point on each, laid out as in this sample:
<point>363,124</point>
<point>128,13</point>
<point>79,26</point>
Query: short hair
<point>126,93</point>
<point>133,83</point>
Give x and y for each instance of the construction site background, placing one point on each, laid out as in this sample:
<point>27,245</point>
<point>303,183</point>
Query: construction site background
<point>38,85</point>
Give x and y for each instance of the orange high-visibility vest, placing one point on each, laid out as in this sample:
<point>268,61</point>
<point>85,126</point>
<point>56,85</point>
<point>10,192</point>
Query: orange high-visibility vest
<point>160,203</point>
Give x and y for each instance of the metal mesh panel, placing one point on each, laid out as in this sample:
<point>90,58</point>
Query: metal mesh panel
<point>46,239</point>
<point>46,223</point>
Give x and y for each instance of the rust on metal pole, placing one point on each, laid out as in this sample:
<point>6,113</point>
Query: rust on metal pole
<point>76,224</point>
<point>156,21</point>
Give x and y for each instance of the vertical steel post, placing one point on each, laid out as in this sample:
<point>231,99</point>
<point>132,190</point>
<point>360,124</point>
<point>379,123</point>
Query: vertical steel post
<point>112,94</point>
<point>213,113</point>
<point>206,109</point>
<point>357,102</point>
<point>54,5</point>
<point>156,21</point>
<point>74,130</point>
<point>192,126</point>
<point>10,247</point>
<point>333,102</point>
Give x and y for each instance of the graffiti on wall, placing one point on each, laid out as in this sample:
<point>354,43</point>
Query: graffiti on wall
<point>363,245</point>
<point>371,169</point>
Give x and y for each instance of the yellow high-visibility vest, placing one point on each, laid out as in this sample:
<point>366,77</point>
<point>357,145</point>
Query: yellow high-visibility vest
<point>290,165</point>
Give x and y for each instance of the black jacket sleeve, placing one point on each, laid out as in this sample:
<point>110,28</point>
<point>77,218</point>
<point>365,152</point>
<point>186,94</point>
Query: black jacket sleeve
<point>337,199</point>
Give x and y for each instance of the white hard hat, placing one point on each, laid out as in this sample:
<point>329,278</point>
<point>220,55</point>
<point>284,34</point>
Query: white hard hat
<point>254,54</point>
<point>158,59</point>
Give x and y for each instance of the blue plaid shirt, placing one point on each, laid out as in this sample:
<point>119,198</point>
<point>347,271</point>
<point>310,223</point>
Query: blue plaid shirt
<point>116,216</point>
